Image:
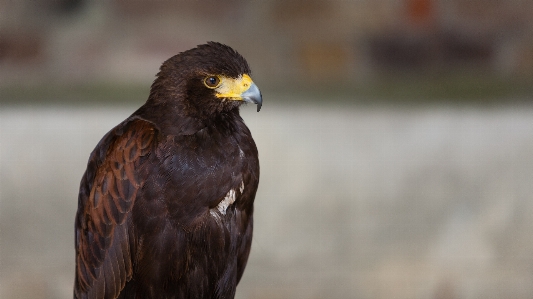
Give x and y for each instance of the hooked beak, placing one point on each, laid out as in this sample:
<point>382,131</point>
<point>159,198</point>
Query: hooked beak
<point>253,95</point>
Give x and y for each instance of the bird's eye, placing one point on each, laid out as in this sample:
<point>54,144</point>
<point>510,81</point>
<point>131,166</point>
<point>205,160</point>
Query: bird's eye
<point>212,81</point>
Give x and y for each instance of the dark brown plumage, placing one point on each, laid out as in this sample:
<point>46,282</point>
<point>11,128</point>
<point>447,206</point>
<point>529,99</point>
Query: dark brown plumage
<point>165,205</point>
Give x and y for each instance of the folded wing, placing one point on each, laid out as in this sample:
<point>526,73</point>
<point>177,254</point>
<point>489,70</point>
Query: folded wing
<point>108,190</point>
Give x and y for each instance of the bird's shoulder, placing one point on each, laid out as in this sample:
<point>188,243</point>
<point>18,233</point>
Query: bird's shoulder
<point>118,151</point>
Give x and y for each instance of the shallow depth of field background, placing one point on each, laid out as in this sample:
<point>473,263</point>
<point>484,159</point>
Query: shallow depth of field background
<point>395,138</point>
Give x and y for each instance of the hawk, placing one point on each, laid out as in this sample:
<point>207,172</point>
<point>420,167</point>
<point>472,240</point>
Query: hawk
<point>165,207</point>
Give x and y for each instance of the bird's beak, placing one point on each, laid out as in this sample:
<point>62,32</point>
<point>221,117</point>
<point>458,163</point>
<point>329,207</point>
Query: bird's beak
<point>240,89</point>
<point>253,95</point>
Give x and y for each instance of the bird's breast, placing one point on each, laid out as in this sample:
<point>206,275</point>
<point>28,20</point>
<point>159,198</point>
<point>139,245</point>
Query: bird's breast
<point>198,177</point>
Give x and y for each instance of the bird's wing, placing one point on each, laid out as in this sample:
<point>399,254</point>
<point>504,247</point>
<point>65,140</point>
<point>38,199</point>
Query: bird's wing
<point>108,190</point>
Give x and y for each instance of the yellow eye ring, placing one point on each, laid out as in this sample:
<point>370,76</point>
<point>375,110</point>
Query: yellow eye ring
<point>212,82</point>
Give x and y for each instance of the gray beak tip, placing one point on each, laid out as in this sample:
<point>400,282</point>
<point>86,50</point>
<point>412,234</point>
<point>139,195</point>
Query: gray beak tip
<point>259,103</point>
<point>253,95</point>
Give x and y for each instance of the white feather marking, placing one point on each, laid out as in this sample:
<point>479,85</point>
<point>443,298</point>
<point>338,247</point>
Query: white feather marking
<point>228,200</point>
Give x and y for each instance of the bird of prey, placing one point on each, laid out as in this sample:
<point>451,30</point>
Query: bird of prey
<point>165,205</point>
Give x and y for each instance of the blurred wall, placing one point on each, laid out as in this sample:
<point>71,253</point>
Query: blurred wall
<point>284,40</point>
<point>353,202</point>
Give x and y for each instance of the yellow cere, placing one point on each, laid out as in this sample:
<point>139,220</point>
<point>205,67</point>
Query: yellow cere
<point>233,88</point>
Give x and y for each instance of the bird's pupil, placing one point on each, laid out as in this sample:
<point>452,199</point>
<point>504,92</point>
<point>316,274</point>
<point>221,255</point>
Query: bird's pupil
<point>212,82</point>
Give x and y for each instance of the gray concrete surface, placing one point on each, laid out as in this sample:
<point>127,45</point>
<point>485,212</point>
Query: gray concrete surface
<point>353,202</point>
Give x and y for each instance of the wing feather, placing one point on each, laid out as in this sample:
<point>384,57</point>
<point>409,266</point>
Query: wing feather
<point>107,195</point>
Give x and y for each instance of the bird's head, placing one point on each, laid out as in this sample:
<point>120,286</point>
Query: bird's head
<point>205,81</point>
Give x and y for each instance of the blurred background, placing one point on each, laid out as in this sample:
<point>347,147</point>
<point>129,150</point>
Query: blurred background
<point>395,139</point>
